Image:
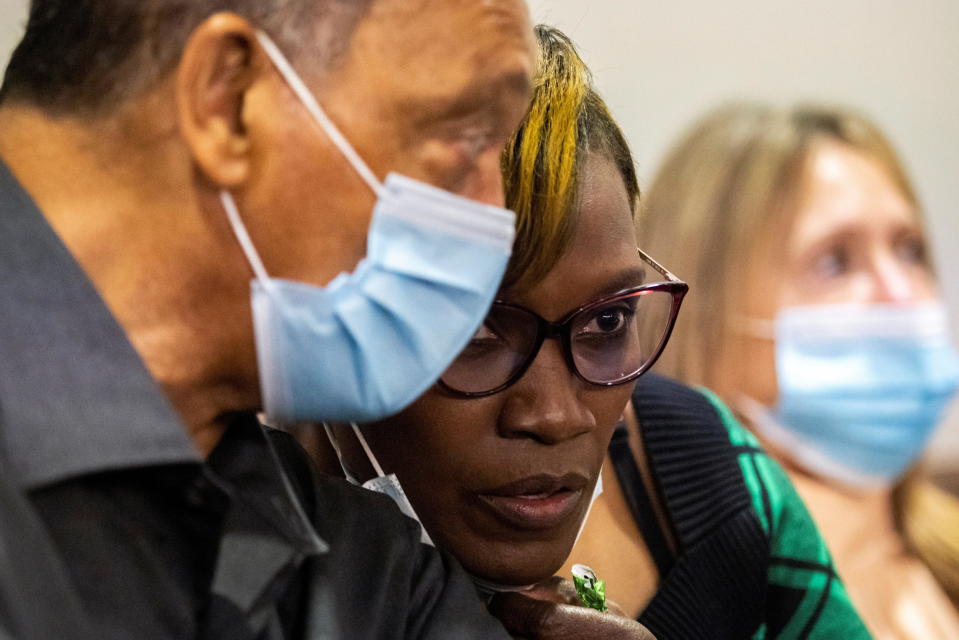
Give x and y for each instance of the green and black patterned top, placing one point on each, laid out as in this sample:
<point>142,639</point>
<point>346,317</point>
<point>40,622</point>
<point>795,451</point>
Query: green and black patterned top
<point>750,563</point>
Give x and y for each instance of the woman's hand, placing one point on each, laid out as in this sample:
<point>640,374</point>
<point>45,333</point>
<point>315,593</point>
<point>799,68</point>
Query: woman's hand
<point>552,610</point>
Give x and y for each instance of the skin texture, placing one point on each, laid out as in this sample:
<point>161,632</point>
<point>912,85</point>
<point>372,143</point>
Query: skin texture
<point>430,89</point>
<point>447,450</point>
<point>855,239</point>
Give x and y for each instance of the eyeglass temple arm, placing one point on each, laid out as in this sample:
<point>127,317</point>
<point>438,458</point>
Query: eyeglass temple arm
<point>663,270</point>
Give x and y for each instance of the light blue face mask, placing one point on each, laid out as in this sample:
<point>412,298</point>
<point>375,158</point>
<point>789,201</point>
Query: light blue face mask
<point>372,341</point>
<point>861,388</point>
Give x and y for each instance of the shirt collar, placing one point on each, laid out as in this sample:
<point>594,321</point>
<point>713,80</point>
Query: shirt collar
<point>267,533</point>
<point>75,398</point>
<point>247,460</point>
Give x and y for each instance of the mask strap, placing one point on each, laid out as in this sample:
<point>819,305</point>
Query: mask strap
<point>239,230</point>
<point>293,80</point>
<point>339,454</point>
<point>369,452</point>
<point>756,327</point>
<point>597,491</point>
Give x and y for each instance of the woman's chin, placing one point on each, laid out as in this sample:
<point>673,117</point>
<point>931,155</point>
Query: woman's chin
<point>517,567</point>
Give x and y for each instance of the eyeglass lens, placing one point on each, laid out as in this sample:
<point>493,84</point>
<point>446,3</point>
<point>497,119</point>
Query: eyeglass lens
<point>616,339</point>
<point>498,349</point>
<point>609,342</point>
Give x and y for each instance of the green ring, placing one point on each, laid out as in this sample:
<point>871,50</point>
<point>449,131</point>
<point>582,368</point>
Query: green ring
<point>591,590</point>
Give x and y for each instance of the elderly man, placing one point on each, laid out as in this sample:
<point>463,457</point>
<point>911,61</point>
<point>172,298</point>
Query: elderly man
<point>155,156</point>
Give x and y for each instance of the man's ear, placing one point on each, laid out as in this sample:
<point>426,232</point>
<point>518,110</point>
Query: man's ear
<point>216,70</point>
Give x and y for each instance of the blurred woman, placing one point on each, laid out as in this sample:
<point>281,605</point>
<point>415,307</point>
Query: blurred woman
<point>697,534</point>
<point>817,317</point>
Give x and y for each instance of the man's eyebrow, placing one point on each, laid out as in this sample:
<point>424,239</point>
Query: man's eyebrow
<point>515,79</point>
<point>494,84</point>
<point>484,97</point>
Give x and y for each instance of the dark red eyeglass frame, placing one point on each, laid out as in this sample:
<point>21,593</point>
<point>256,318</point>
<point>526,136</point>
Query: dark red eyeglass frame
<point>547,330</point>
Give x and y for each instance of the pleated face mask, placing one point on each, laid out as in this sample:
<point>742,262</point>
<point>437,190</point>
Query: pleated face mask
<point>372,341</point>
<point>861,388</point>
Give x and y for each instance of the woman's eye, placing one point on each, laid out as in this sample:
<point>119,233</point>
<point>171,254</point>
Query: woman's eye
<point>484,342</point>
<point>483,333</point>
<point>833,263</point>
<point>608,321</point>
<point>912,251</point>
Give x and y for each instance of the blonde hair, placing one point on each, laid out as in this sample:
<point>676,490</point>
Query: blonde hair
<point>929,519</point>
<point>566,120</point>
<point>728,188</point>
<point>727,192</point>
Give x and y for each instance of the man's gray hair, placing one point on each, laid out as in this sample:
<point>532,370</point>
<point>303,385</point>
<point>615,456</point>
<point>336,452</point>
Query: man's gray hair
<point>87,56</point>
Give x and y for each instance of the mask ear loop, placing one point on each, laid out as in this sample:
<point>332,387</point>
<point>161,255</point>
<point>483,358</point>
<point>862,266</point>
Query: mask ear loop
<point>597,491</point>
<point>369,452</point>
<point>293,80</point>
<point>243,237</point>
<point>331,436</point>
<point>398,494</point>
<point>757,327</point>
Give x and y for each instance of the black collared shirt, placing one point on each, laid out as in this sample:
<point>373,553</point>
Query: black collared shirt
<point>157,543</point>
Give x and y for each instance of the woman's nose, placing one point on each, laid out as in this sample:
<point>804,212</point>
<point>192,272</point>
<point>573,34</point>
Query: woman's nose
<point>545,405</point>
<point>895,282</point>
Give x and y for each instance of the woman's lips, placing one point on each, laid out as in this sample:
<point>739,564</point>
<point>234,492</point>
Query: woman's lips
<point>537,502</point>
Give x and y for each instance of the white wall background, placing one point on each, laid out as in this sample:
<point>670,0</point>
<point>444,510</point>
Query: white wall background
<point>661,64</point>
<point>12,15</point>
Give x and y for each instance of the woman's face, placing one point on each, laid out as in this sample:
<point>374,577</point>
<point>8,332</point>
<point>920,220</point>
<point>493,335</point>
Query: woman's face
<point>503,481</point>
<point>855,238</point>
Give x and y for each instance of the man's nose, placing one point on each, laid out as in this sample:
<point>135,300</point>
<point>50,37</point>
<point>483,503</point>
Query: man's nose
<point>545,405</point>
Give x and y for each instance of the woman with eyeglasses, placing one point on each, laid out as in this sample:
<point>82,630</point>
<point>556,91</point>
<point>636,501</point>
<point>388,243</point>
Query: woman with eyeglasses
<point>696,534</point>
<point>824,328</point>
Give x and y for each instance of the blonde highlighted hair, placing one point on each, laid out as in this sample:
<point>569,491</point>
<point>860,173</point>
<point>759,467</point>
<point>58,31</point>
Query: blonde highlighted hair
<point>566,121</point>
<point>730,189</point>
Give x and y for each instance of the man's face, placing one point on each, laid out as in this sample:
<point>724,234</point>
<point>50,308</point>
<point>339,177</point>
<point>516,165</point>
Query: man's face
<point>428,88</point>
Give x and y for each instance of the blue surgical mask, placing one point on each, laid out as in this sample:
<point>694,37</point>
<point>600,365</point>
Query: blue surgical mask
<point>861,388</point>
<point>370,342</point>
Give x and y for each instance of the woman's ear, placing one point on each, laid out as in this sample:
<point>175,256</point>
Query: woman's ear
<point>217,69</point>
